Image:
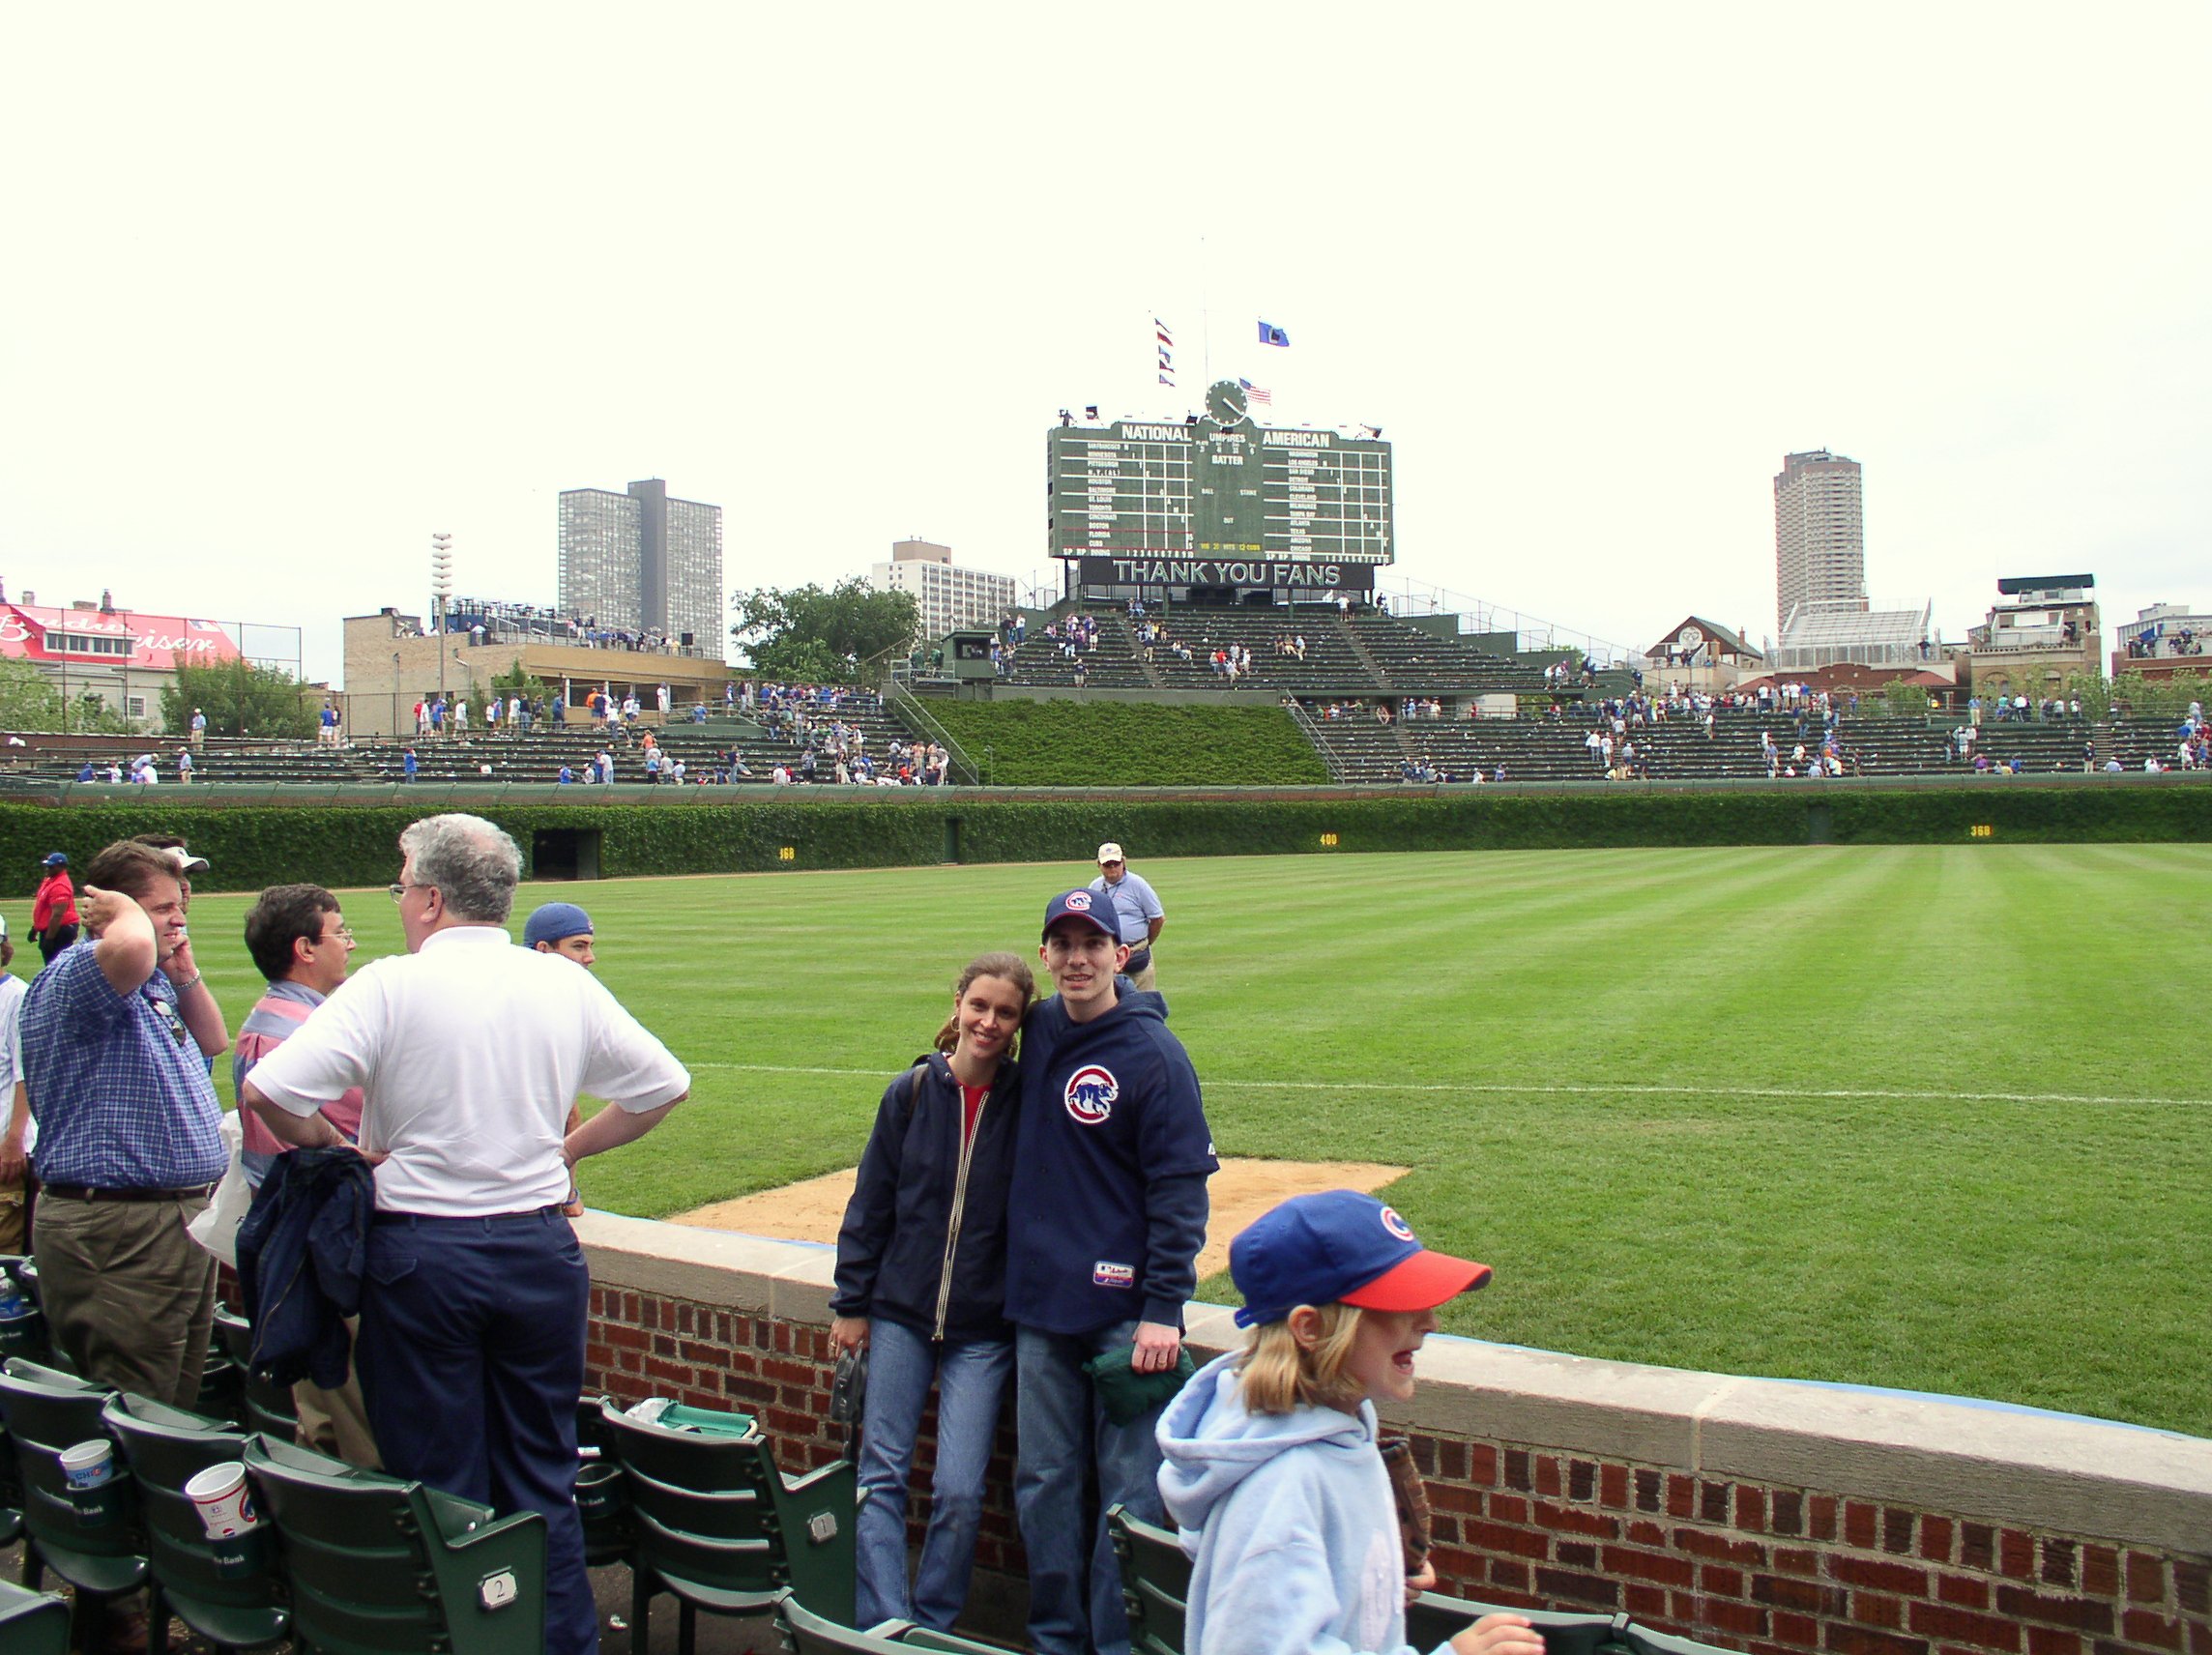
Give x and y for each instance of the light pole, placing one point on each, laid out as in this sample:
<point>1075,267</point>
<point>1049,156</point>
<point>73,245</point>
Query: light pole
<point>441,588</point>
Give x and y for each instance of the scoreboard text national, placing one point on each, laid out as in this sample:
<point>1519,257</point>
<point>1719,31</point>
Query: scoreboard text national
<point>1220,488</point>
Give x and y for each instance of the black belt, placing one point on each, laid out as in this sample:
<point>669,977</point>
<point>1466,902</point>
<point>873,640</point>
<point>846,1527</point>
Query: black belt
<point>78,1192</point>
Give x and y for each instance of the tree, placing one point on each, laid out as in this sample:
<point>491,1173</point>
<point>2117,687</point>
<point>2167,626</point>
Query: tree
<point>814,636</point>
<point>515,681</point>
<point>1901,698</point>
<point>29,701</point>
<point>240,698</point>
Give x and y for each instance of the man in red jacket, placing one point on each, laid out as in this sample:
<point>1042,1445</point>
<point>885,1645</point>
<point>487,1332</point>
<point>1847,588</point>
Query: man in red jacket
<point>53,911</point>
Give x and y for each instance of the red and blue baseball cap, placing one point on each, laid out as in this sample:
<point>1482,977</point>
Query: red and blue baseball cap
<point>1339,1246</point>
<point>1084,905</point>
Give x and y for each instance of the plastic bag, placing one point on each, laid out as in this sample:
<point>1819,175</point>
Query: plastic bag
<point>217,1227</point>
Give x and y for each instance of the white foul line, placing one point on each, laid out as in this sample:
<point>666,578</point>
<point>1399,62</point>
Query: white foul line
<point>1625,1089</point>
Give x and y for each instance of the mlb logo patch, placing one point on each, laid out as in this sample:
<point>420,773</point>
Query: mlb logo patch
<point>1090,1095</point>
<point>1078,902</point>
<point>1106,1274</point>
<point>1397,1225</point>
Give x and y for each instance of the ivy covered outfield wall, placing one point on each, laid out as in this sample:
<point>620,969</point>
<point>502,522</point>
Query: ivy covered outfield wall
<point>257,836</point>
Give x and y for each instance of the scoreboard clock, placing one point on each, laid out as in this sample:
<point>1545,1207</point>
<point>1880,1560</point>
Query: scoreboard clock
<point>1221,488</point>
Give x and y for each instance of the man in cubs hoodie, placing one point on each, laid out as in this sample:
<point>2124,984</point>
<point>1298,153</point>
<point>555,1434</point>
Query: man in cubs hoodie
<point>1103,1229</point>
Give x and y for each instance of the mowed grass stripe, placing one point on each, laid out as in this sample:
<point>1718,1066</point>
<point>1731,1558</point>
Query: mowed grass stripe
<point>1919,1117</point>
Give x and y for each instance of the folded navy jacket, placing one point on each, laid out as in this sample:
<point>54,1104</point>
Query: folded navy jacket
<point>300,1257</point>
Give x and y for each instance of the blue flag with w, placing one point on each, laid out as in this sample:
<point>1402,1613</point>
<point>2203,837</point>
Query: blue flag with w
<point>1270,334</point>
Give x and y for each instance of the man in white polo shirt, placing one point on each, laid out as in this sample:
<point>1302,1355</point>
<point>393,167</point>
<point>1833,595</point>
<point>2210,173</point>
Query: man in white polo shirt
<point>470,1051</point>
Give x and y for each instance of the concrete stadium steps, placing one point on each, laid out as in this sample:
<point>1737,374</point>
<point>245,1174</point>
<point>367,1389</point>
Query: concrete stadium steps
<point>1330,668</point>
<point>1415,662</point>
<point>1113,665</point>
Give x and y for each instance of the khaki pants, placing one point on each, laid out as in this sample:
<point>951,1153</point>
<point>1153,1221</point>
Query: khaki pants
<point>335,1422</point>
<point>128,1296</point>
<point>14,1233</point>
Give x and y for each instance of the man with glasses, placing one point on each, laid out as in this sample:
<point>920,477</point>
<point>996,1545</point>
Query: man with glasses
<point>300,942</point>
<point>117,1033</point>
<point>470,1051</point>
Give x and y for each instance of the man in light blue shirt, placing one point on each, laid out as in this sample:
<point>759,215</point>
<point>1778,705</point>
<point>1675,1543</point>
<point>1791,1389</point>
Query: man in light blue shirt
<point>1137,906</point>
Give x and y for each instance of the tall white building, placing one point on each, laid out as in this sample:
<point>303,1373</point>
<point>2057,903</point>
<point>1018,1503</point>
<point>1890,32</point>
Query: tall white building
<point>643,562</point>
<point>947,595</point>
<point>1819,538</point>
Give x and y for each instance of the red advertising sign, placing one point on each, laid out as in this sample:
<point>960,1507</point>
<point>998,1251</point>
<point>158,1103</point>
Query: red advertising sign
<point>116,637</point>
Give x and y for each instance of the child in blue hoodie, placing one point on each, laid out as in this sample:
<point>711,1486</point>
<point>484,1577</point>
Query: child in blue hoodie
<point>1271,1470</point>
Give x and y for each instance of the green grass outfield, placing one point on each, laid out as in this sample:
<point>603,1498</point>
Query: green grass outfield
<point>1937,1119</point>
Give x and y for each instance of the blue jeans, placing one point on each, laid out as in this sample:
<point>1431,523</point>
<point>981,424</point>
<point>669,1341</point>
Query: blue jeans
<point>1075,1583</point>
<point>471,1359</point>
<point>971,1378</point>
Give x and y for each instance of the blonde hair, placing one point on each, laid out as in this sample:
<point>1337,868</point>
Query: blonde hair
<point>1007,967</point>
<point>1278,1373</point>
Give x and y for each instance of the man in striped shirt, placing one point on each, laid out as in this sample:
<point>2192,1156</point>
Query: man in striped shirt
<point>298,937</point>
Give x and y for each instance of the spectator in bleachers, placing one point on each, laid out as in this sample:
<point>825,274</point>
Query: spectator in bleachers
<point>301,945</point>
<point>117,1033</point>
<point>939,1163</point>
<point>474,1293</point>
<point>1102,1236</point>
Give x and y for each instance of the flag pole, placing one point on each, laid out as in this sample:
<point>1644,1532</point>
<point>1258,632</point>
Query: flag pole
<point>1205,316</point>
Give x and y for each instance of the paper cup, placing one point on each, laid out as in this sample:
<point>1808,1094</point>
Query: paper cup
<point>88,1470</point>
<point>89,1465</point>
<point>225,1501</point>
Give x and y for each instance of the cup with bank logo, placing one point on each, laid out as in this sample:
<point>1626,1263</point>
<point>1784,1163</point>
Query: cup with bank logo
<point>88,1470</point>
<point>225,1501</point>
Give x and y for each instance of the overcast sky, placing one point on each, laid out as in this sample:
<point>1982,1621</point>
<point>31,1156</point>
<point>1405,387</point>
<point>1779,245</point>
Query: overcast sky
<point>287,289</point>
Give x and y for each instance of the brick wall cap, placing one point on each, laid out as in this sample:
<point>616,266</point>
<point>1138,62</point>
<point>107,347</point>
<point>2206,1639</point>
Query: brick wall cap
<point>2091,1478</point>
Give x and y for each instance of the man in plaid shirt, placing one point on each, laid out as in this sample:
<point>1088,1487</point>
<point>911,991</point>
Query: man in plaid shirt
<point>117,1033</point>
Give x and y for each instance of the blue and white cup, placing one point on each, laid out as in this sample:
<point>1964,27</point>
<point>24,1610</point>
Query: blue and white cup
<point>88,1469</point>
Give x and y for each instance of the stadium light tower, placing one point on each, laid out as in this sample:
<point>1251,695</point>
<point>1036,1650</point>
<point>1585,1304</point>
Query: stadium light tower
<point>442,590</point>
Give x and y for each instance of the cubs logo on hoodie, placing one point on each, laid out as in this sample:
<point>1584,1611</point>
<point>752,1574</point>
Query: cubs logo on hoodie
<point>1090,1095</point>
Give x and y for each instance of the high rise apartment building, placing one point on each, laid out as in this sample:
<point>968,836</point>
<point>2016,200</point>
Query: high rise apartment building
<point>1819,538</point>
<point>946,595</point>
<point>641,561</point>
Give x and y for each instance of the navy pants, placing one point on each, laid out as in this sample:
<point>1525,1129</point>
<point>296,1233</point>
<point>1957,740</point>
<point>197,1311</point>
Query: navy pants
<point>471,1359</point>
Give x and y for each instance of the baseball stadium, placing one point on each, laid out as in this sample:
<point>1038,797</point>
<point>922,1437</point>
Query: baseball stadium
<point>1806,1053</point>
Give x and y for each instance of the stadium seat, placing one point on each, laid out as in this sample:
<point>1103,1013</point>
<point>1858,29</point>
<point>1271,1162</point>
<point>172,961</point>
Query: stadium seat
<point>47,1412</point>
<point>601,1497</point>
<point>32,1623</point>
<point>379,1564</point>
<point>1156,1589</point>
<point>23,1335</point>
<point>165,1448</point>
<point>715,1524</point>
<point>805,1633</point>
<point>267,1406</point>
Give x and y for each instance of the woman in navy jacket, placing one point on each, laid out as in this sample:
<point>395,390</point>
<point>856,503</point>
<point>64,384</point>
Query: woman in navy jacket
<point>922,1266</point>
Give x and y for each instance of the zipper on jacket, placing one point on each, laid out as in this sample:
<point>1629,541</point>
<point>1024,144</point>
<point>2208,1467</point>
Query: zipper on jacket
<point>959,1207</point>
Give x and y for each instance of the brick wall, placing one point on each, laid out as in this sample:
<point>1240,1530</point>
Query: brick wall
<point>1767,1517</point>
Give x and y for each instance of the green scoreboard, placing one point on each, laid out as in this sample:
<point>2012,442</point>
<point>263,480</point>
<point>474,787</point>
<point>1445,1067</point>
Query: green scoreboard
<point>1221,496</point>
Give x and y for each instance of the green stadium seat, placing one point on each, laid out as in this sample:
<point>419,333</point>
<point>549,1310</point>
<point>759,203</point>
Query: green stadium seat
<point>602,1500</point>
<point>32,1623</point>
<point>1156,1589</point>
<point>802,1632</point>
<point>380,1566</point>
<point>267,1406</point>
<point>47,1412</point>
<point>717,1526</point>
<point>165,1448</point>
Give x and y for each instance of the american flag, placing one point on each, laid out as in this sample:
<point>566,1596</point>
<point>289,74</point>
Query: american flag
<point>1254,393</point>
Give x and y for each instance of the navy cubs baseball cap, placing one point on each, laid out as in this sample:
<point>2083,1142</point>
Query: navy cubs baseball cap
<point>57,861</point>
<point>554,922</point>
<point>1340,1246</point>
<point>1079,903</point>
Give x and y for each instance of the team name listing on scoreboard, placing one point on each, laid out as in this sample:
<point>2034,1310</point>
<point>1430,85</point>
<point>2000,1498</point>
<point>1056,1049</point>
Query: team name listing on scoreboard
<point>1223,491</point>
